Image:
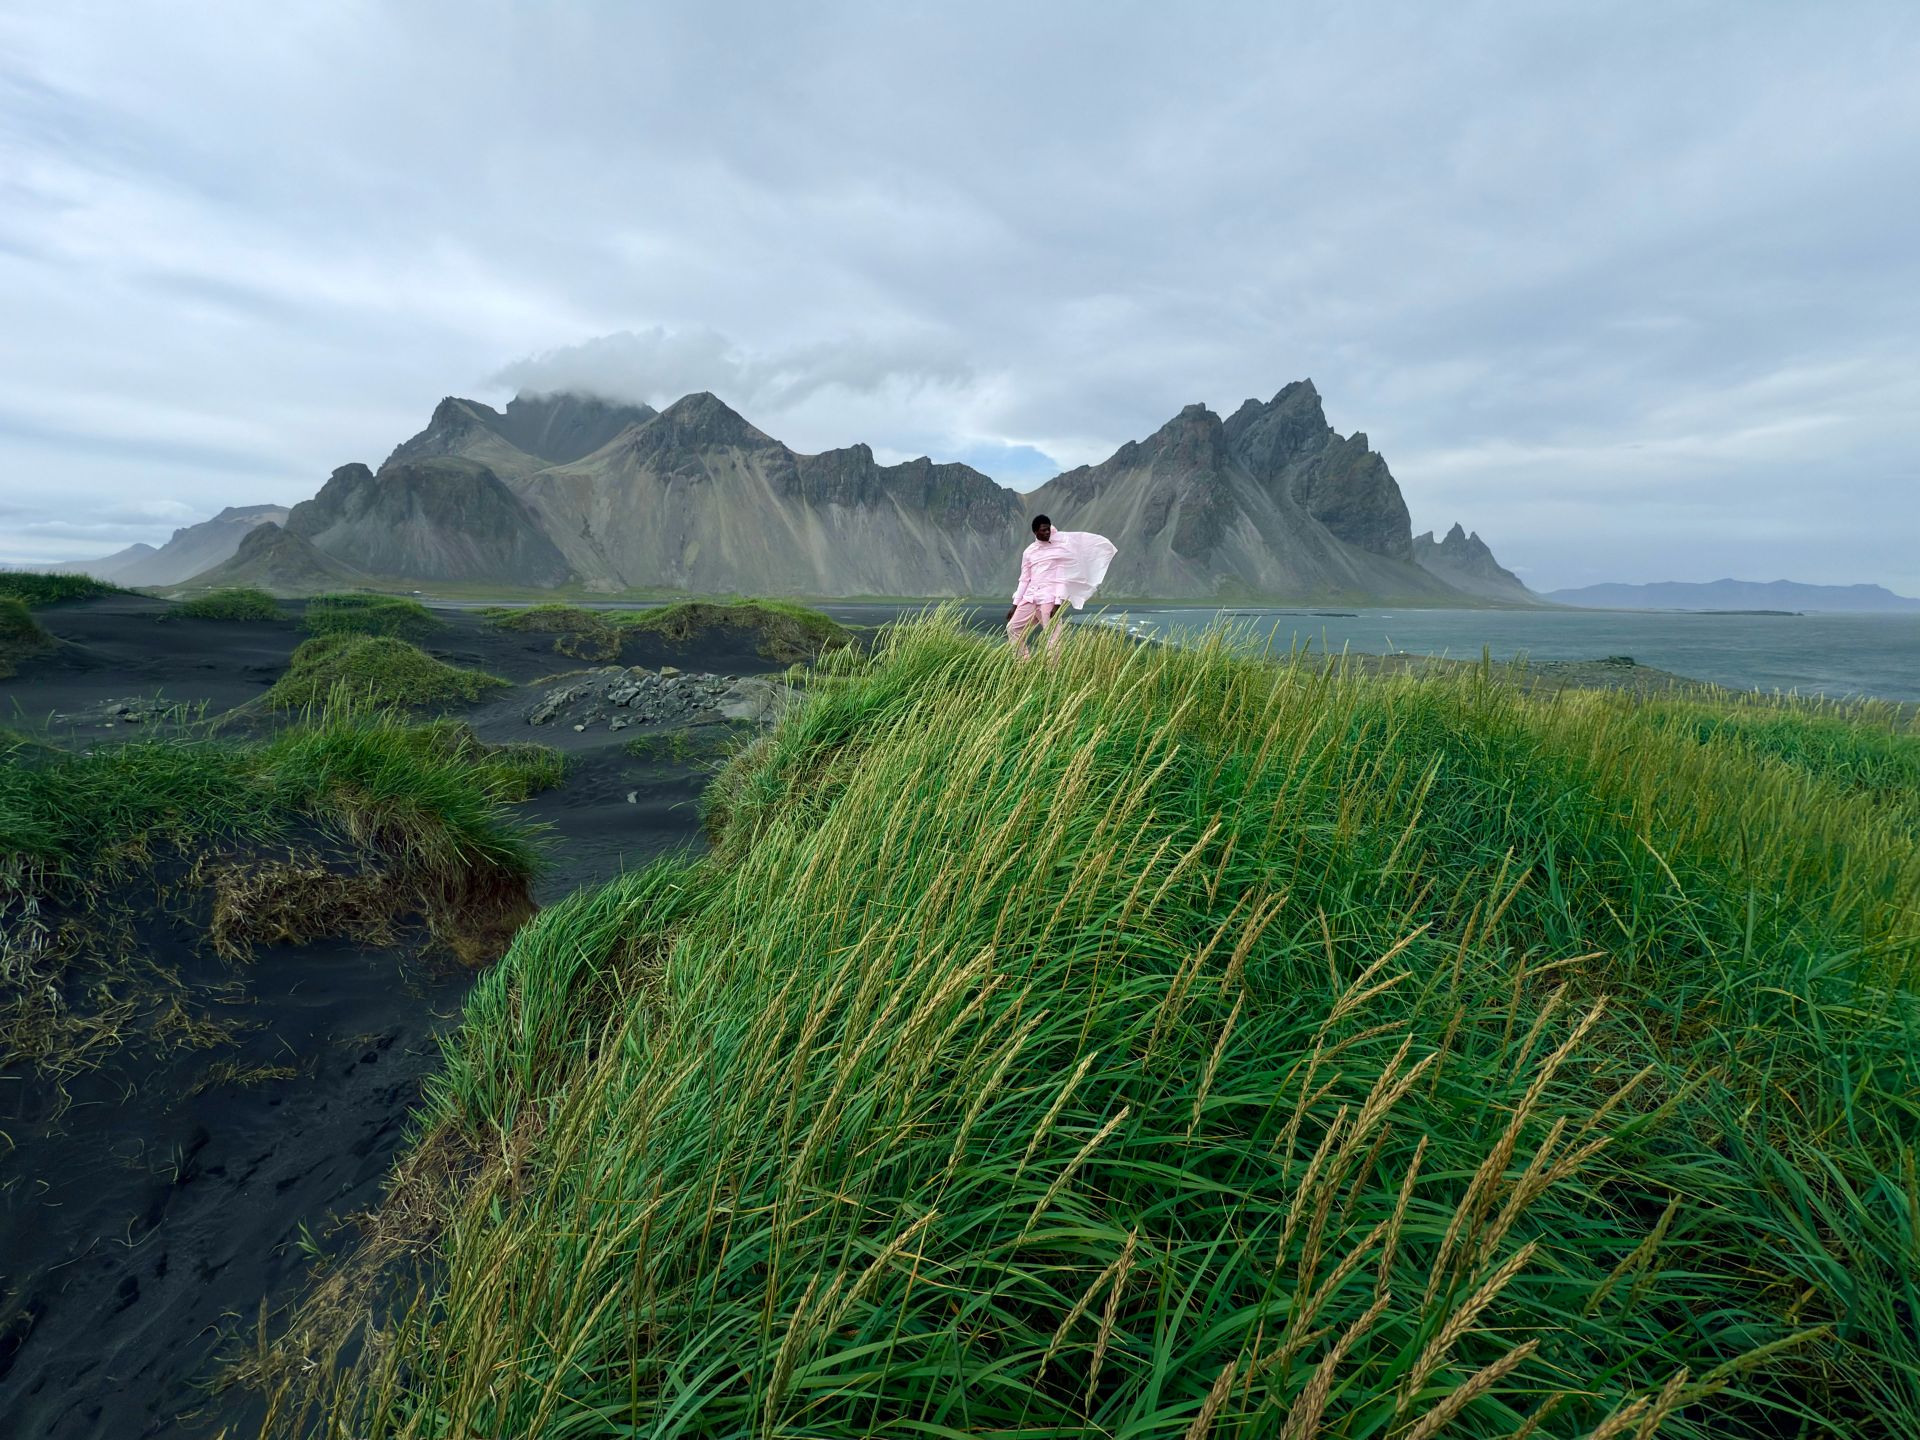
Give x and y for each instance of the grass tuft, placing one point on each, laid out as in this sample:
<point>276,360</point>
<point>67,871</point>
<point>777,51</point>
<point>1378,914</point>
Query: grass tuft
<point>788,631</point>
<point>36,591</point>
<point>369,615</point>
<point>240,602</point>
<point>373,821</point>
<point>21,636</point>
<point>581,633</point>
<point>372,671</point>
<point>1177,1044</point>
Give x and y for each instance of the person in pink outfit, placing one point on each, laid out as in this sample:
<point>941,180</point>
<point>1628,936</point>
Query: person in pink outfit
<point>1060,568</point>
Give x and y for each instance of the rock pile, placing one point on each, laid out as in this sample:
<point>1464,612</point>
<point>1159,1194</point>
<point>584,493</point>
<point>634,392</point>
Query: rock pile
<point>633,695</point>
<point>109,713</point>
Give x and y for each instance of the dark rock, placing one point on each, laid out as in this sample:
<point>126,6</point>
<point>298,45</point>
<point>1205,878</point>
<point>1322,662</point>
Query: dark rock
<point>1465,562</point>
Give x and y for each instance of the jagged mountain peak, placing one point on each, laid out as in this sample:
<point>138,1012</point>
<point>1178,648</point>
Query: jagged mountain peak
<point>704,418</point>
<point>534,430</point>
<point>1466,562</point>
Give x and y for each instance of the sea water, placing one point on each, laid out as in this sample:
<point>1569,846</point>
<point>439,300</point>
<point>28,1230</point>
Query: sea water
<point>1840,656</point>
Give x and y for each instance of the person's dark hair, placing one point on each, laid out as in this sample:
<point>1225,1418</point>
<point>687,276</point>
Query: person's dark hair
<point>1040,520</point>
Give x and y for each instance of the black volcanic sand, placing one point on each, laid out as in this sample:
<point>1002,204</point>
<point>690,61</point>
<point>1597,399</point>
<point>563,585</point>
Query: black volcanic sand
<point>141,1229</point>
<point>125,647</point>
<point>143,1225</point>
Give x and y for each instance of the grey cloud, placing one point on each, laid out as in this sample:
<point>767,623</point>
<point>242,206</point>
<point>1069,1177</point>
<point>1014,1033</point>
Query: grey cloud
<point>1622,290</point>
<point>659,365</point>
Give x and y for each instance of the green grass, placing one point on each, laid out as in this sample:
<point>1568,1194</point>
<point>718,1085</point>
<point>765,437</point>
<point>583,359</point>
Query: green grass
<point>1872,749</point>
<point>581,633</point>
<point>41,590</point>
<point>372,671</point>
<point>431,791</point>
<point>21,636</point>
<point>788,631</point>
<point>369,615</point>
<point>1175,1044</point>
<point>345,826</point>
<point>240,602</point>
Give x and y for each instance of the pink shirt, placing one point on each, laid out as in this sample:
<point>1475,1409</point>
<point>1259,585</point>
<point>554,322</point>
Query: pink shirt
<point>1065,569</point>
<point>1044,569</point>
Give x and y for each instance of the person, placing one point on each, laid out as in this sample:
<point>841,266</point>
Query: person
<point>1060,568</point>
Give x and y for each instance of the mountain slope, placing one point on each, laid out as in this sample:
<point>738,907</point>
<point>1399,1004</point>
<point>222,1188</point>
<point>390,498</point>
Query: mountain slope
<point>1273,502</point>
<point>435,518</point>
<point>698,499</point>
<point>107,567</point>
<point>281,563</point>
<point>1738,595</point>
<point>1465,562</point>
<point>534,431</point>
<point>191,549</point>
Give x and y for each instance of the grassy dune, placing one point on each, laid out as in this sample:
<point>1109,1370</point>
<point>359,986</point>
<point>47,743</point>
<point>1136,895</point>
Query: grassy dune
<point>236,602</point>
<point>21,636</point>
<point>95,847</point>
<point>376,671</point>
<point>35,590</point>
<point>393,615</point>
<point>787,631</point>
<point>1175,1045</point>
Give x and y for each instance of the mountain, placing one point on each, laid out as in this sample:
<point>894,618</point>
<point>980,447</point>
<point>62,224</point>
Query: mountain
<point>105,568</point>
<point>693,498</point>
<point>192,549</point>
<point>534,431</point>
<point>566,489</point>
<point>1464,562</point>
<point>1271,502</point>
<point>1737,595</point>
<point>698,499</point>
<point>281,563</point>
<point>437,518</point>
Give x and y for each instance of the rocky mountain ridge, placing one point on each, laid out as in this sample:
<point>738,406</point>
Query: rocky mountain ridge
<point>1464,562</point>
<point>1270,502</point>
<point>282,563</point>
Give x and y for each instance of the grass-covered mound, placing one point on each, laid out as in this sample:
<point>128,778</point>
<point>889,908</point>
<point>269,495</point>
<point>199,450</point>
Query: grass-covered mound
<point>373,671</point>
<point>237,602</point>
<point>1175,1045</point>
<point>1871,748</point>
<point>337,828</point>
<point>785,631</point>
<point>369,615</point>
<point>36,590</point>
<point>581,633</point>
<point>21,636</point>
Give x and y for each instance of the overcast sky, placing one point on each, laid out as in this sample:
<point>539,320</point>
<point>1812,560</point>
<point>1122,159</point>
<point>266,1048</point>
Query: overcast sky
<point>1632,290</point>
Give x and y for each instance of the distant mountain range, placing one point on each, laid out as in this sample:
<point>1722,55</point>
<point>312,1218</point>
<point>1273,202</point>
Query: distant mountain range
<point>1737,595</point>
<point>1269,503</point>
<point>192,549</point>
